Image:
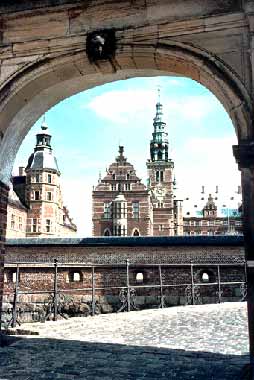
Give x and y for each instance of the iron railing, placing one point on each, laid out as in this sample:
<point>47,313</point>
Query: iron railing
<point>127,293</point>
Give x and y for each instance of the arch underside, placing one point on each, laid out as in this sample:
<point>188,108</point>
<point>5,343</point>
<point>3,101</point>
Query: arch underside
<point>30,93</point>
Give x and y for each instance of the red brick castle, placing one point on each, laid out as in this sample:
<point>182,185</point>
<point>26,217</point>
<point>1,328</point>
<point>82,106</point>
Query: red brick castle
<point>124,206</point>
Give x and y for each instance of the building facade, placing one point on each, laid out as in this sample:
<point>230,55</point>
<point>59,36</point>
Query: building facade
<point>121,202</point>
<point>124,206</point>
<point>35,207</point>
<point>210,223</point>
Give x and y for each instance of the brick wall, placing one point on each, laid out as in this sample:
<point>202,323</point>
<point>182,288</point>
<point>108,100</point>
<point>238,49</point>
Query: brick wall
<point>76,258</point>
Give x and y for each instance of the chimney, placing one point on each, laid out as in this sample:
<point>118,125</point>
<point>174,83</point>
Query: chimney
<point>217,189</point>
<point>203,190</point>
<point>22,171</point>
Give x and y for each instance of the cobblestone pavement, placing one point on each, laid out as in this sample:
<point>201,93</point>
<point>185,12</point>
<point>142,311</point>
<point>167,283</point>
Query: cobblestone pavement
<point>183,343</point>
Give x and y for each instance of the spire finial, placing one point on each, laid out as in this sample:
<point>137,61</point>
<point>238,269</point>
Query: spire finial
<point>159,93</point>
<point>121,149</point>
<point>44,125</point>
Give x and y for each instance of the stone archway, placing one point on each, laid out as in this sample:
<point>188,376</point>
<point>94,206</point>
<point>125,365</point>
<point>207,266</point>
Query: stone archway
<point>40,86</point>
<point>43,60</point>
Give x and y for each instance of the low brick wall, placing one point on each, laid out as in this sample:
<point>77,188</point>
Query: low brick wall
<point>174,263</point>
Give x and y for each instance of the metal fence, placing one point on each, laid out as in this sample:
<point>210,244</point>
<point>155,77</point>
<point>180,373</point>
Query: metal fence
<point>127,294</point>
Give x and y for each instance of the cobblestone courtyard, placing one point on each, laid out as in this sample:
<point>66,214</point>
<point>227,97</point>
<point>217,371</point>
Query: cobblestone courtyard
<point>183,343</point>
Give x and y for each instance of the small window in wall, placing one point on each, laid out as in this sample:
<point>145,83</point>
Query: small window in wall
<point>128,176</point>
<point>75,276</point>
<point>205,277</point>
<point>136,232</point>
<point>161,227</point>
<point>34,225</point>
<point>113,176</point>
<point>107,210</point>
<point>48,225</point>
<point>12,221</point>
<point>37,195</point>
<point>135,210</point>
<point>49,196</point>
<point>49,178</point>
<point>140,277</point>
<point>113,187</point>
<point>14,277</point>
<point>159,176</point>
<point>37,177</point>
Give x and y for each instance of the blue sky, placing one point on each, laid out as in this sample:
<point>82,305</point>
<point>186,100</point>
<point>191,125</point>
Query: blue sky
<point>88,127</point>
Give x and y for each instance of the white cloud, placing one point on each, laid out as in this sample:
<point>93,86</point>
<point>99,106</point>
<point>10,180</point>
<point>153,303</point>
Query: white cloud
<point>77,196</point>
<point>193,108</point>
<point>212,163</point>
<point>122,106</point>
<point>117,106</point>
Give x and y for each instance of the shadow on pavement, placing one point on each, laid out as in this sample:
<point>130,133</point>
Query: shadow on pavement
<point>51,359</point>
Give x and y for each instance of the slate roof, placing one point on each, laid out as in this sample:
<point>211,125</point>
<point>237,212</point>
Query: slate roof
<point>42,159</point>
<point>160,241</point>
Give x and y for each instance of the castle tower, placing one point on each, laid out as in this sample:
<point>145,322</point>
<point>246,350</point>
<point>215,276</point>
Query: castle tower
<point>166,212</point>
<point>46,214</point>
<point>210,209</point>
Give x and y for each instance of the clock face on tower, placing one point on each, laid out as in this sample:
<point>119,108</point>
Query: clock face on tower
<point>158,192</point>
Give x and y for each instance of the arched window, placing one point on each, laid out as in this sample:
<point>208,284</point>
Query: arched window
<point>107,232</point>
<point>205,277</point>
<point>136,232</point>
<point>140,277</point>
